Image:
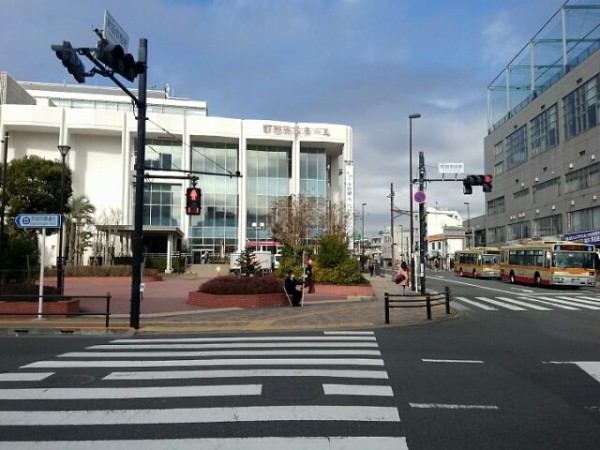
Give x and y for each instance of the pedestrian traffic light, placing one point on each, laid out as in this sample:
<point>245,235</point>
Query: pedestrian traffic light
<point>70,59</point>
<point>487,183</point>
<point>193,197</point>
<point>114,56</point>
<point>477,180</point>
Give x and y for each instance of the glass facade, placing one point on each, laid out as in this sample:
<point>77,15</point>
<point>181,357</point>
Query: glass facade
<point>267,179</point>
<point>163,154</point>
<point>548,226</point>
<point>313,181</point>
<point>544,131</point>
<point>580,108</point>
<point>162,204</point>
<point>215,229</point>
<point>585,219</point>
<point>516,148</point>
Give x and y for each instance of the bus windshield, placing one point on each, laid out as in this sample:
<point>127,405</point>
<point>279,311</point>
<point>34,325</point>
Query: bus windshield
<point>583,260</point>
<point>490,260</point>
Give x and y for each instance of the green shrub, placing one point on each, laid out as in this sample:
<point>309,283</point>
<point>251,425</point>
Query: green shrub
<point>345,274</point>
<point>233,285</point>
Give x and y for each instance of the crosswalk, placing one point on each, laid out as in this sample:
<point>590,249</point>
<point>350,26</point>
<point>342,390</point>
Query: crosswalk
<point>529,302</point>
<point>320,391</point>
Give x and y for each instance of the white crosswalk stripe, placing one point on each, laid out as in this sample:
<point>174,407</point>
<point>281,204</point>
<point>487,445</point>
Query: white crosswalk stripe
<point>530,302</point>
<point>204,381</point>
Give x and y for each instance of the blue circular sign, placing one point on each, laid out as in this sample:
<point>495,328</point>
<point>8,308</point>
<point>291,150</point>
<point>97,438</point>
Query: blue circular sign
<point>420,197</point>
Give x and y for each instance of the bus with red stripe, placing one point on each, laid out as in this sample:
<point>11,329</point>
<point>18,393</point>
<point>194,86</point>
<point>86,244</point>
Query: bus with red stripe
<point>477,262</point>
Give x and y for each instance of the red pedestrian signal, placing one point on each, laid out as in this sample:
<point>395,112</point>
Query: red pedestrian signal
<point>193,197</point>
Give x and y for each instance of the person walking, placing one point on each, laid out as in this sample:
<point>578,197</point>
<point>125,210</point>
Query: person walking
<point>309,281</point>
<point>371,267</point>
<point>290,284</point>
<point>401,277</point>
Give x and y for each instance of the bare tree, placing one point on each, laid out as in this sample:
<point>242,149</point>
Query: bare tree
<point>290,218</point>
<point>105,245</point>
<point>335,220</point>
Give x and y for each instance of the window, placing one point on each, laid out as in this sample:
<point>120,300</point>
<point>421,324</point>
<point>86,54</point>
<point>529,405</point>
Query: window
<point>163,154</point>
<point>162,205</point>
<point>522,193</point>
<point>516,148</point>
<point>544,131</point>
<point>499,168</point>
<point>583,178</point>
<point>497,235</point>
<point>519,230</point>
<point>499,148</point>
<point>548,226</point>
<point>495,206</point>
<point>580,108</point>
<point>553,185</point>
<point>585,219</point>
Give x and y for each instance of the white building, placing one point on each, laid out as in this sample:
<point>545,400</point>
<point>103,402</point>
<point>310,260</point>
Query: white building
<point>276,159</point>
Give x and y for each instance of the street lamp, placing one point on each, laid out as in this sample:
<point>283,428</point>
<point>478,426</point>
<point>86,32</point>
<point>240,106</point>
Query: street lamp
<point>362,232</point>
<point>256,227</point>
<point>468,225</point>
<point>60,274</point>
<point>410,182</point>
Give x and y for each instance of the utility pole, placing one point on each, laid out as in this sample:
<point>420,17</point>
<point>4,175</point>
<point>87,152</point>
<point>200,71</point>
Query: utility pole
<point>2,210</point>
<point>422,224</point>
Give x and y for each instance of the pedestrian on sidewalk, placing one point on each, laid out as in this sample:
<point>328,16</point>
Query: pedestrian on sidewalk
<point>371,267</point>
<point>290,285</point>
<point>401,277</point>
<point>309,281</point>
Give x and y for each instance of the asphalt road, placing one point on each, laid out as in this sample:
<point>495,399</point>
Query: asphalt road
<point>487,379</point>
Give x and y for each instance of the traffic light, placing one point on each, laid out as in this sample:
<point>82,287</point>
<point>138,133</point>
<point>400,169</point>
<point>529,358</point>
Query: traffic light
<point>477,180</point>
<point>70,59</point>
<point>114,56</point>
<point>193,197</point>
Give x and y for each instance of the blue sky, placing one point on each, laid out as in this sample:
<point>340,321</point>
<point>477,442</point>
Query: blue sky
<point>363,63</point>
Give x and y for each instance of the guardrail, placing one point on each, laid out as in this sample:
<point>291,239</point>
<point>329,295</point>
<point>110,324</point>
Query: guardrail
<point>29,297</point>
<point>417,301</point>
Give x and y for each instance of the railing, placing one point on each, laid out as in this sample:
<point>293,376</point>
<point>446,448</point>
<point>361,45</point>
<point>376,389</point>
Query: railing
<point>417,301</point>
<point>29,298</point>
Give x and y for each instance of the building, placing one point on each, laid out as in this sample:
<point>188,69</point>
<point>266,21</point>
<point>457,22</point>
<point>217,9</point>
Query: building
<point>275,159</point>
<point>543,142</point>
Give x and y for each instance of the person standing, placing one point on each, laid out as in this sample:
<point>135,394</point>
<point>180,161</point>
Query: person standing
<point>401,277</point>
<point>308,277</point>
<point>290,284</point>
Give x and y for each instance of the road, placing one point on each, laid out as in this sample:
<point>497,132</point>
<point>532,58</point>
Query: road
<point>486,379</point>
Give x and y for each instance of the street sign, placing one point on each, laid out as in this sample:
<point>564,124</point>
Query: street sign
<point>420,197</point>
<point>38,220</point>
<point>114,33</point>
<point>449,167</point>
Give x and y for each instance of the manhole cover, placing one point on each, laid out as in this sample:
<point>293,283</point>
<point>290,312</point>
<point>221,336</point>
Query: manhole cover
<point>67,380</point>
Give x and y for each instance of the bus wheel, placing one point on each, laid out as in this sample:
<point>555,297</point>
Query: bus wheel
<point>537,280</point>
<point>511,278</point>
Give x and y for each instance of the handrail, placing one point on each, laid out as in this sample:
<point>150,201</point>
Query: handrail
<point>417,301</point>
<point>33,297</point>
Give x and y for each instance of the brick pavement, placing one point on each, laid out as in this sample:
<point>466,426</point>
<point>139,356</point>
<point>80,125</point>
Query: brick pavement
<point>164,310</point>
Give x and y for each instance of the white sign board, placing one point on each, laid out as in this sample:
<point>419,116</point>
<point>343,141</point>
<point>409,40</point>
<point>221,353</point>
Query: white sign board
<point>38,220</point>
<point>448,167</point>
<point>114,33</point>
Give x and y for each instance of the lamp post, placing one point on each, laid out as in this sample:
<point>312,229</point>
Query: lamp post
<point>468,225</point>
<point>60,278</point>
<point>410,182</point>
<point>362,230</point>
<point>256,227</point>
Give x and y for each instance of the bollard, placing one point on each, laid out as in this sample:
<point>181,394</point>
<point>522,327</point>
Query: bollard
<point>387,308</point>
<point>447,294</point>
<point>428,307</point>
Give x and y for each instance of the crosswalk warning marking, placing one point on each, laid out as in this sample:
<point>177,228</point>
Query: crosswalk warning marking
<point>501,304</point>
<point>568,303</point>
<point>526,305</point>
<point>594,305</point>
<point>549,302</point>
<point>474,303</point>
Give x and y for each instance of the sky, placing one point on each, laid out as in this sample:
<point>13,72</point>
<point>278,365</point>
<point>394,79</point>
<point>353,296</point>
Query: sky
<point>367,64</point>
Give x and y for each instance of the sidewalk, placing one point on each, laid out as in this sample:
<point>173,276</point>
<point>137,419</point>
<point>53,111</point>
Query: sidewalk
<point>164,310</point>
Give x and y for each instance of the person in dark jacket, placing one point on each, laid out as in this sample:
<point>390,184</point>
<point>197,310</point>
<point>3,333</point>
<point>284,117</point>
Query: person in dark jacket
<point>290,287</point>
<point>308,277</point>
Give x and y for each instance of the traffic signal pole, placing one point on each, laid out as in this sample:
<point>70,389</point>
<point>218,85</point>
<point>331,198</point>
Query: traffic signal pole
<point>422,226</point>
<point>137,240</point>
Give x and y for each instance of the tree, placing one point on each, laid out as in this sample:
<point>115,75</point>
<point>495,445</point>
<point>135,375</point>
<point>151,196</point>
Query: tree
<point>33,186</point>
<point>248,264</point>
<point>291,219</point>
<point>78,239</point>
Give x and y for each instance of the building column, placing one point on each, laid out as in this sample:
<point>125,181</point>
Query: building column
<point>169,268</point>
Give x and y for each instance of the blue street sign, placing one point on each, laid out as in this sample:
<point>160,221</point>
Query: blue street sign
<point>420,197</point>
<point>38,220</point>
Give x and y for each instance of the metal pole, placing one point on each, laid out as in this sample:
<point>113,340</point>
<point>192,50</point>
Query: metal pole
<point>410,182</point>
<point>138,226</point>
<point>60,274</point>
<point>3,208</point>
<point>362,232</point>
<point>468,225</point>
<point>392,225</point>
<point>423,224</point>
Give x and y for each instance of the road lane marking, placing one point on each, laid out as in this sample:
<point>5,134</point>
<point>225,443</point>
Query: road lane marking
<point>358,389</point>
<point>200,415</point>
<point>211,362</point>
<point>264,443</point>
<point>582,302</point>
<point>247,339</point>
<point>501,304</point>
<point>568,303</point>
<point>187,354</point>
<point>33,376</point>
<point>474,303</point>
<point>549,302</point>
<point>349,333</point>
<point>188,374</point>
<point>527,305</point>
<point>138,392</point>
<point>450,406</point>
<point>233,345</point>
<point>460,361</point>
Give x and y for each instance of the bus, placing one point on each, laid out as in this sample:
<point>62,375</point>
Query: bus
<point>548,263</point>
<point>478,262</point>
